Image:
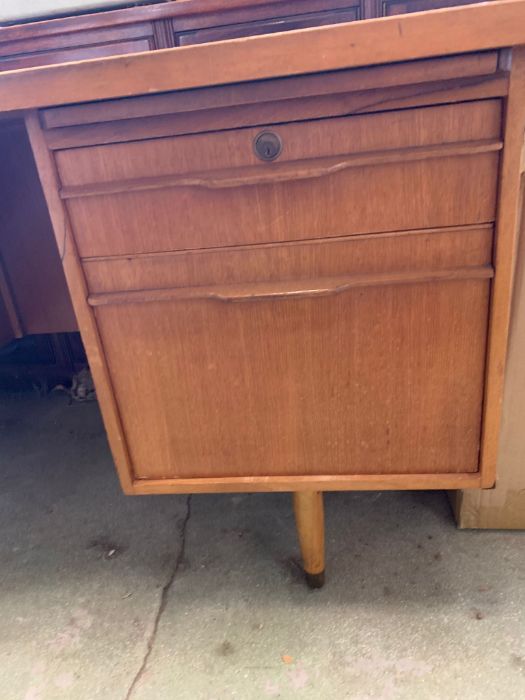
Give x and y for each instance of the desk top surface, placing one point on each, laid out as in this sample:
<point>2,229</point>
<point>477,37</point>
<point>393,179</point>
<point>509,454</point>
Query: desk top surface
<point>343,46</point>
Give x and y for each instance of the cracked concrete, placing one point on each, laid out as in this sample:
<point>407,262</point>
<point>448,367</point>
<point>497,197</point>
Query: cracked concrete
<point>163,600</point>
<point>106,596</point>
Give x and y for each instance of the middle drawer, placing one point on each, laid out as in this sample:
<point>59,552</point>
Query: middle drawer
<point>402,170</point>
<point>400,254</point>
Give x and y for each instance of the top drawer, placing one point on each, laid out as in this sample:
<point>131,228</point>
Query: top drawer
<point>407,169</point>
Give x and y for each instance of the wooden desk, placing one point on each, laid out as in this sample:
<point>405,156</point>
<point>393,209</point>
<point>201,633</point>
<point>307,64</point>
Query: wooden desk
<point>33,293</point>
<point>293,273</point>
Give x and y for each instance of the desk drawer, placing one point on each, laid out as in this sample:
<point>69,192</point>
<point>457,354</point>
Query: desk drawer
<point>420,168</point>
<point>435,250</point>
<point>373,366</point>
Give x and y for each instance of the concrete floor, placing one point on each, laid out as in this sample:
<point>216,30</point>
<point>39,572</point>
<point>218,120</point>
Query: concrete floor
<point>104,596</point>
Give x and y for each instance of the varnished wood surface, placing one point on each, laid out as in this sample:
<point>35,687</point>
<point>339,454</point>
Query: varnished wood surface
<point>306,169</point>
<point>211,12</point>
<point>395,199</point>
<point>507,227</point>
<point>153,27</point>
<point>265,291</point>
<point>437,249</point>
<point>357,80</point>
<point>384,482</point>
<point>208,152</point>
<point>317,105</point>
<point>338,371</point>
<point>370,42</point>
<point>102,184</point>
<point>148,28</point>
<point>97,43</point>
<point>503,507</point>
<point>371,381</point>
<point>309,517</point>
<point>187,31</point>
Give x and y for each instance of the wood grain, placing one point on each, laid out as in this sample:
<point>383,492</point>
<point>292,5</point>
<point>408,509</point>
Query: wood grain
<point>356,80</point>
<point>307,169</point>
<point>369,199</point>
<point>370,42</point>
<point>449,147</point>
<point>368,136</point>
<point>378,380</point>
<point>358,365</point>
<point>507,227</point>
<point>187,13</point>
<point>503,507</point>
<point>386,482</point>
<point>233,30</point>
<point>291,110</point>
<point>438,249</point>
<point>263,291</point>
<point>309,517</point>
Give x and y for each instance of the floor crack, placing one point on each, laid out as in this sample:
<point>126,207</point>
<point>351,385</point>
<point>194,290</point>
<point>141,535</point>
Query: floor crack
<point>163,601</point>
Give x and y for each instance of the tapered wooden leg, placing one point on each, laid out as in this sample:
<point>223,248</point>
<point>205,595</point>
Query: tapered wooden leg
<point>309,517</point>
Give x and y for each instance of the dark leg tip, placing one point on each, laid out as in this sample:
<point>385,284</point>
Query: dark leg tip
<point>314,580</point>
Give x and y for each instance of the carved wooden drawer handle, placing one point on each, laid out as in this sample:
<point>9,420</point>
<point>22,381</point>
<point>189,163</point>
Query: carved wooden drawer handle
<point>288,289</point>
<point>282,172</point>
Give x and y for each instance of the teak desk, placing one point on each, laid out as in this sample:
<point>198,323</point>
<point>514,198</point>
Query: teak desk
<point>291,256</point>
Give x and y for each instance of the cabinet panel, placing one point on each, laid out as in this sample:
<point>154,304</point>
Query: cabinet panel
<point>266,26</point>
<point>97,43</point>
<point>375,380</point>
<point>401,7</point>
<point>78,53</point>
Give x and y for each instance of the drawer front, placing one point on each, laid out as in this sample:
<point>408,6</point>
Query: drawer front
<point>63,48</point>
<point>422,168</point>
<point>265,26</point>
<point>374,373</point>
<point>401,7</point>
<point>78,53</point>
<point>221,151</point>
<point>358,200</point>
<point>435,250</point>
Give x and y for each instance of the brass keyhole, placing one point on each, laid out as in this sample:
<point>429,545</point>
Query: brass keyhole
<point>267,145</point>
